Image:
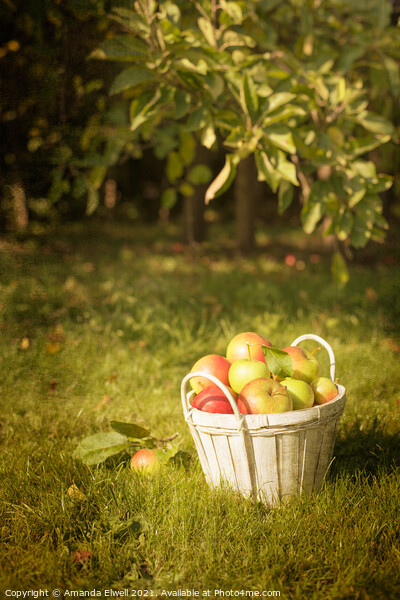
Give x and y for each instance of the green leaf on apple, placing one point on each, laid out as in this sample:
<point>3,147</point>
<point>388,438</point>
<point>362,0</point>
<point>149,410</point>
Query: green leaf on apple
<point>278,361</point>
<point>130,430</point>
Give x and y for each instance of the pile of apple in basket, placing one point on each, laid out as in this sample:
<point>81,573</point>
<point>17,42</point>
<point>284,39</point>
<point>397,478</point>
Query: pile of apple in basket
<point>262,379</point>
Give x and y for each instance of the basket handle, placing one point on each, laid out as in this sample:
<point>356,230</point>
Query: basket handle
<point>324,343</point>
<point>213,379</point>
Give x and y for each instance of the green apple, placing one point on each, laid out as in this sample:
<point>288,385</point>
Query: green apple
<point>212,364</point>
<point>244,343</point>
<point>324,390</point>
<point>305,366</point>
<point>213,400</point>
<point>300,391</point>
<point>145,460</point>
<point>244,370</point>
<point>264,396</point>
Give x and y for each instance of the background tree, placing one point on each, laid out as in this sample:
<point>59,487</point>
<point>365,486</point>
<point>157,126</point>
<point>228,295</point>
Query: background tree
<point>308,89</point>
<point>51,108</point>
<point>292,84</point>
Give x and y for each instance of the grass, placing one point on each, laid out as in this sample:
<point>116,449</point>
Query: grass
<point>101,322</point>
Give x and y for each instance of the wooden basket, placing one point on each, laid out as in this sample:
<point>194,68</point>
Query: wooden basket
<point>266,457</point>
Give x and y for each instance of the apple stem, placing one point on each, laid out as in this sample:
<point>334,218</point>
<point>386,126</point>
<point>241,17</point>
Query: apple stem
<point>248,349</point>
<point>278,390</point>
<point>314,351</point>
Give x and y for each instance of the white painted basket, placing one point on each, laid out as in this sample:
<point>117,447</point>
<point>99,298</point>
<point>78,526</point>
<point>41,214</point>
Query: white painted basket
<point>266,457</point>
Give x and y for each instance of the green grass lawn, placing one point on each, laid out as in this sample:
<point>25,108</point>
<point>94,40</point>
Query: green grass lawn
<point>101,322</point>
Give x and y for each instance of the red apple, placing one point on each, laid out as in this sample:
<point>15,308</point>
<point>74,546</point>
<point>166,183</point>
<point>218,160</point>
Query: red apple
<point>243,370</point>
<point>305,366</point>
<point>214,364</point>
<point>242,343</point>
<point>300,391</point>
<point>324,390</point>
<point>213,400</point>
<point>146,460</point>
<point>264,396</point>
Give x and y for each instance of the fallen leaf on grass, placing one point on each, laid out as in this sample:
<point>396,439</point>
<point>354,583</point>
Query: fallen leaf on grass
<point>371,295</point>
<point>53,347</point>
<point>112,378</point>
<point>24,345</point>
<point>104,402</point>
<point>391,344</point>
<point>52,386</point>
<point>75,493</point>
<point>82,558</point>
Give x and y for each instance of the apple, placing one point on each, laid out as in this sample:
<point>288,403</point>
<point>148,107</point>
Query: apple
<point>244,343</point>
<point>305,366</point>
<point>244,370</point>
<point>213,400</point>
<point>300,391</point>
<point>264,396</point>
<point>324,390</point>
<point>146,460</point>
<point>214,364</point>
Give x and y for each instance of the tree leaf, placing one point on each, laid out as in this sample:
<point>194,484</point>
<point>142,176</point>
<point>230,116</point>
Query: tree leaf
<point>224,178</point>
<point>199,174</point>
<point>208,136</point>
<point>187,147</point>
<point>140,109</point>
<point>186,189</point>
<point>233,10</point>
<point>197,119</point>
<point>285,196</point>
<point>121,48</point>
<point>182,103</point>
<point>266,172</point>
<point>344,225</point>
<point>92,200</point>
<point>287,169</point>
<point>130,78</point>
<point>375,123</point>
<point>281,137</point>
<point>278,361</point>
<point>130,430</point>
<point>174,167</point>
<point>339,270</point>
<point>275,101</point>
<point>169,198</point>
<point>207,30</point>
<point>311,215</point>
<point>249,96</point>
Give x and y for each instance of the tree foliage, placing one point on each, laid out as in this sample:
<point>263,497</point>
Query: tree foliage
<point>308,88</point>
<point>296,84</point>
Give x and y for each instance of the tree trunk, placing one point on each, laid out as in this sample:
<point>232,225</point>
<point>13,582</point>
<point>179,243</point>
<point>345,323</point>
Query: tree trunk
<point>195,226</point>
<point>248,192</point>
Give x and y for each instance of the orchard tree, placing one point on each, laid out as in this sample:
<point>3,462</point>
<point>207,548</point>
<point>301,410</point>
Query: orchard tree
<point>289,83</point>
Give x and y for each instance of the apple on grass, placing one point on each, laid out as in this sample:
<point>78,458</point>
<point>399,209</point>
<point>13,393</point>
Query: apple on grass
<point>305,366</point>
<point>244,370</point>
<point>243,343</point>
<point>145,460</point>
<point>264,396</point>
<point>213,400</point>
<point>300,391</point>
<point>213,364</point>
<point>324,390</point>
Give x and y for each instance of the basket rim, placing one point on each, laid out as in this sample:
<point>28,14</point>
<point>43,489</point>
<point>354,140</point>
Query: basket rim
<point>297,419</point>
